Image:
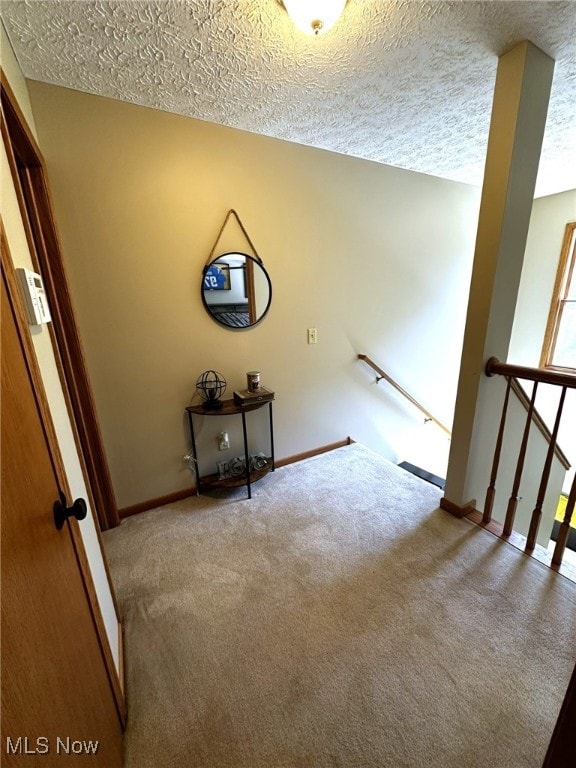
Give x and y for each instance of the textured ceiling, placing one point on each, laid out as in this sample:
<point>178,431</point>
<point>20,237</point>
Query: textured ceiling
<point>406,83</point>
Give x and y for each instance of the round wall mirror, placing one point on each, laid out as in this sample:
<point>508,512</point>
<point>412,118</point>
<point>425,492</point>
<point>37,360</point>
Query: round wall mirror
<point>236,290</point>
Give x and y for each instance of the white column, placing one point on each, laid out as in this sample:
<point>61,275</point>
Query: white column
<point>521,96</point>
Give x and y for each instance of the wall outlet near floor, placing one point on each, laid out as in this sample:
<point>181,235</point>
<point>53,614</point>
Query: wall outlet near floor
<point>312,335</point>
<point>223,441</point>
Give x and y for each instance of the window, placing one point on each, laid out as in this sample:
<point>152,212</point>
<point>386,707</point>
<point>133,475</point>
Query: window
<point>559,349</point>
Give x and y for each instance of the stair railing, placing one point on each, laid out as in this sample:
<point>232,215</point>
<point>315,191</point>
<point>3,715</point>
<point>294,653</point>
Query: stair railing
<point>538,376</point>
<point>383,375</point>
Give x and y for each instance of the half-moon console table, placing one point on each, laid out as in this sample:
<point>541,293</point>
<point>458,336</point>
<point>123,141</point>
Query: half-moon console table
<point>248,476</point>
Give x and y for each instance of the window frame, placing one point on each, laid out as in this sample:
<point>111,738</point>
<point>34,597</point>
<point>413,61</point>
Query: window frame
<point>565,276</point>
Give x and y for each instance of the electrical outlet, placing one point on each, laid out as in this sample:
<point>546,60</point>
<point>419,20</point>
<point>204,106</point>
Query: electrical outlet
<point>189,461</point>
<point>312,335</point>
<point>223,441</point>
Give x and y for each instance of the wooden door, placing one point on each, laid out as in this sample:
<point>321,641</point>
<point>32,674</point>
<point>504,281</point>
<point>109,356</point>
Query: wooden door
<point>31,185</point>
<point>562,748</point>
<point>57,699</point>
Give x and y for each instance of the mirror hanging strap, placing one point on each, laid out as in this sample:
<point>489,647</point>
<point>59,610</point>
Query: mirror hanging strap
<point>230,212</point>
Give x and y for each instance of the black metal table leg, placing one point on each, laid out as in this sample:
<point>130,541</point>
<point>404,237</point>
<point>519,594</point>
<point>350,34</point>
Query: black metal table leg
<point>195,459</point>
<point>271,434</point>
<point>246,455</point>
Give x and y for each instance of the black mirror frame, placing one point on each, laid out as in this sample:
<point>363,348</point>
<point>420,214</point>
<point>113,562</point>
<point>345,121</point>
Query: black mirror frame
<point>258,263</point>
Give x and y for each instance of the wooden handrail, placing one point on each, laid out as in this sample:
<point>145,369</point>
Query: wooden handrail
<point>538,421</point>
<point>537,375</point>
<point>383,375</point>
<point>542,375</point>
<point>494,367</point>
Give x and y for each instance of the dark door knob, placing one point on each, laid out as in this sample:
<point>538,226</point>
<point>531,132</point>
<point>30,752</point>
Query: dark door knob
<point>79,510</point>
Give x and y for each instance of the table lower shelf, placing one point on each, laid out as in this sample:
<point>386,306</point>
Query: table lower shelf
<point>214,481</point>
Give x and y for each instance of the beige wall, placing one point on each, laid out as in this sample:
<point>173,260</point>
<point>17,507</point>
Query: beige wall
<point>377,259</point>
<point>547,225</point>
<point>45,355</point>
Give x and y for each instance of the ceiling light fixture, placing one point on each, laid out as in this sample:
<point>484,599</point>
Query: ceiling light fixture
<point>314,16</point>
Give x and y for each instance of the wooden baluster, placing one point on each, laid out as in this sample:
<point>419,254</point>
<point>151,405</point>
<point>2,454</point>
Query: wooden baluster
<point>565,526</point>
<point>513,500</point>
<point>491,492</point>
<point>537,512</point>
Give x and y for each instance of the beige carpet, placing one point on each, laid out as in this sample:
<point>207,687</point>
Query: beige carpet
<point>336,619</point>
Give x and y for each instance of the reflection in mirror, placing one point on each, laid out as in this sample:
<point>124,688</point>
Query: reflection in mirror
<point>236,290</point>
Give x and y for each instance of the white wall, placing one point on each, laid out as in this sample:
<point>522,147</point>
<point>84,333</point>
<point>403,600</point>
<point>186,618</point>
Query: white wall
<point>376,258</point>
<point>549,218</point>
<point>45,355</point>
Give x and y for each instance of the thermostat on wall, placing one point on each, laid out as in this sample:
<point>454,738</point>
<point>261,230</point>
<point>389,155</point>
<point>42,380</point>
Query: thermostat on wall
<point>34,297</point>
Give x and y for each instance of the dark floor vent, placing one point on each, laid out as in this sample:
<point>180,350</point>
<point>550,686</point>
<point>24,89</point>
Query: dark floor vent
<point>423,474</point>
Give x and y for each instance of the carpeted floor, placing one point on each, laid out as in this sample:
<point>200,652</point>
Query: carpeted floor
<point>336,619</point>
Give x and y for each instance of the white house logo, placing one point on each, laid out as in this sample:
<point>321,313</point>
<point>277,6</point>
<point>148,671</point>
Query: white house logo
<point>24,745</point>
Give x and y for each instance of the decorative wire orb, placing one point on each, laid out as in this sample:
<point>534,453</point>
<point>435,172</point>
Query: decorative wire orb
<point>210,385</point>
